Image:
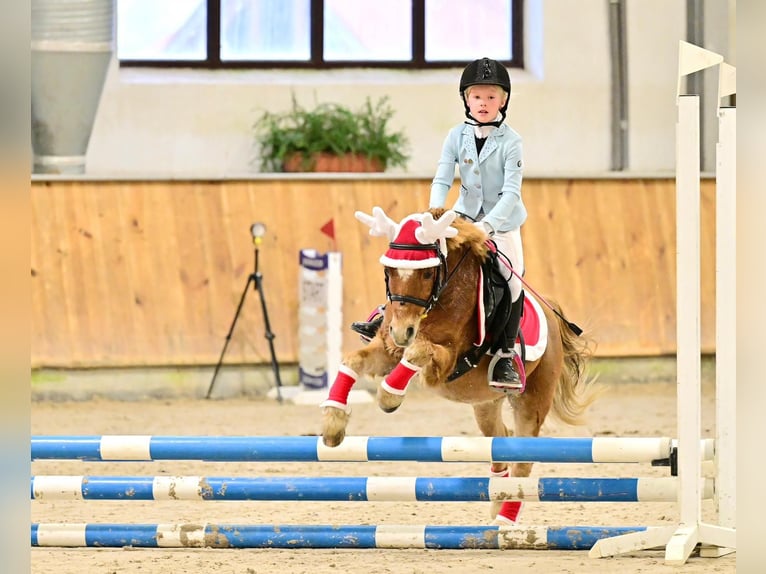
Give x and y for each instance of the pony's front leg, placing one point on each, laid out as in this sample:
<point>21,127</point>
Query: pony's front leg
<point>427,359</point>
<point>372,360</point>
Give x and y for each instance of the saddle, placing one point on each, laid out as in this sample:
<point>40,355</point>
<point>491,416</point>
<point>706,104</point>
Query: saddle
<point>496,299</point>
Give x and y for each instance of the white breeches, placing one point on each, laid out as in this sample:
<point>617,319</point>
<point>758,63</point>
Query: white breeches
<point>509,244</point>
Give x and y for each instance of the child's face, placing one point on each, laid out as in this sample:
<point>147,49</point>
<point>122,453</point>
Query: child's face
<point>484,102</point>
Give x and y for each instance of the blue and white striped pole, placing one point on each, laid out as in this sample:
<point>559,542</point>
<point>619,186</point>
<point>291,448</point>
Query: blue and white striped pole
<point>324,536</point>
<point>357,449</point>
<point>351,489</point>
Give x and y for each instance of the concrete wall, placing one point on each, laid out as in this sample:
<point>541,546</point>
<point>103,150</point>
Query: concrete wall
<point>198,123</point>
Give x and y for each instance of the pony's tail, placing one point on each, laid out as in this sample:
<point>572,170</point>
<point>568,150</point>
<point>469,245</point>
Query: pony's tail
<point>576,390</point>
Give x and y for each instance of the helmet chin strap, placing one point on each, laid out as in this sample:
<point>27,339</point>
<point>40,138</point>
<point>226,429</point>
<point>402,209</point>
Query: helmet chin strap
<point>474,122</point>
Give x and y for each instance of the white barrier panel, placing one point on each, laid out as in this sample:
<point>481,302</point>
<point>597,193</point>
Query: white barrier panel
<point>319,318</point>
<point>320,323</point>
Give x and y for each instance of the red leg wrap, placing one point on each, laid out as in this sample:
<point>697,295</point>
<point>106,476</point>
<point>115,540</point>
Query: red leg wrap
<point>341,387</point>
<point>397,380</point>
<point>510,509</point>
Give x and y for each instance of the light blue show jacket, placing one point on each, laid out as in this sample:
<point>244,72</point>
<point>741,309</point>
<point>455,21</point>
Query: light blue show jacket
<point>490,182</point>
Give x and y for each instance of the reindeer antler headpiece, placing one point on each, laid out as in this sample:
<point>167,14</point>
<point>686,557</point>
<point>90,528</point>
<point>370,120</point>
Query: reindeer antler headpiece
<point>414,241</point>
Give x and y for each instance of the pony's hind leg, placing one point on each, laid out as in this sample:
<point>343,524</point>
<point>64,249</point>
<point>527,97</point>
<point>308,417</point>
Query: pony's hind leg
<point>531,408</point>
<point>489,417</point>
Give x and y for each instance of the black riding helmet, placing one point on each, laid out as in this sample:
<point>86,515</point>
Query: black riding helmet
<point>486,72</point>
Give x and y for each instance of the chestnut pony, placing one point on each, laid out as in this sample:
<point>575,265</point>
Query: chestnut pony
<point>430,322</point>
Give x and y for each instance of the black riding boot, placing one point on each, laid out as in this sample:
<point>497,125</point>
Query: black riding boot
<point>502,367</point>
<point>368,329</point>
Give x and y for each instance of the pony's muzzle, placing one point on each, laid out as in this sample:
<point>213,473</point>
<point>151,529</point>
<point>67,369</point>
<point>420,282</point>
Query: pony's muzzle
<point>403,336</point>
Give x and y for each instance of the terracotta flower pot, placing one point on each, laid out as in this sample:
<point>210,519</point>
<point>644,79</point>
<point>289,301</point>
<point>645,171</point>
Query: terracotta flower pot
<point>326,162</point>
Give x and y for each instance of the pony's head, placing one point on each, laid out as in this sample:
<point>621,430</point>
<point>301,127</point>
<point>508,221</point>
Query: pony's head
<point>415,265</point>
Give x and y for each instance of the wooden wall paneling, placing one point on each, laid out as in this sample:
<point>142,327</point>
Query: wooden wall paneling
<point>541,235</point>
<point>66,251</point>
<point>366,289</point>
<point>295,237</point>
<point>361,288</point>
<point>660,273</point>
<point>276,205</point>
<point>299,220</point>
<point>212,218</point>
<point>88,238</point>
<point>273,203</point>
<point>119,335</point>
<point>550,243</point>
<point>646,243</point>
<point>155,267</point>
<point>624,278</point>
<point>591,267</point>
<point>50,329</point>
<point>172,271</point>
<point>132,225</point>
<point>72,252</point>
<point>41,281</point>
<point>237,216</point>
<point>185,265</point>
<point>708,265</point>
<point>231,260</point>
<point>150,273</point>
<point>37,245</point>
<point>182,269</point>
<point>129,220</point>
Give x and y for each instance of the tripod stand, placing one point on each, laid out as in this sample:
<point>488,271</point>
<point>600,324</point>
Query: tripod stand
<point>256,278</point>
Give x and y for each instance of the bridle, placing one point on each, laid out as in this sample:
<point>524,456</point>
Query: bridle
<point>440,280</point>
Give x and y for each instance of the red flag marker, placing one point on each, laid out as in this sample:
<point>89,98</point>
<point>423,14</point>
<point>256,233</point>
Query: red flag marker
<point>329,230</point>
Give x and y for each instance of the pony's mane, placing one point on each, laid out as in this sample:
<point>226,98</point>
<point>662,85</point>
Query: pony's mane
<point>468,234</point>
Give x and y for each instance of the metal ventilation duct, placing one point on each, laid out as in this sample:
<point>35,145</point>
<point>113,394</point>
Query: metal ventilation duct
<point>71,50</point>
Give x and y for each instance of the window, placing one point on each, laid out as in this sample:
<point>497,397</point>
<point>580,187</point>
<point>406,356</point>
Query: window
<point>317,33</point>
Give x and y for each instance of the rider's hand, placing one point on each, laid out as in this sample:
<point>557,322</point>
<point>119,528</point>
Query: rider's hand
<point>485,227</point>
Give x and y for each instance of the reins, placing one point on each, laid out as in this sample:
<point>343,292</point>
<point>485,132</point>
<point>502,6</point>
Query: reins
<point>572,326</point>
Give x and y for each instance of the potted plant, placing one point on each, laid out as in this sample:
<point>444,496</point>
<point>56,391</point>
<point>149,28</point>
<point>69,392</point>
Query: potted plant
<point>330,137</point>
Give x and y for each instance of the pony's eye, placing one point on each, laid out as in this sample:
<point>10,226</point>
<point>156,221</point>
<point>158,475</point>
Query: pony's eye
<point>428,274</point>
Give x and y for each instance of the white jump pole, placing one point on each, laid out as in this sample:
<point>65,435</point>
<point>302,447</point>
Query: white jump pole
<point>726,309</point>
<point>680,540</point>
<point>689,375</point>
<point>726,319</point>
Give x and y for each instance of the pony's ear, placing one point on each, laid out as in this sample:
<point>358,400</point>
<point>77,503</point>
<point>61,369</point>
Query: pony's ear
<point>379,223</point>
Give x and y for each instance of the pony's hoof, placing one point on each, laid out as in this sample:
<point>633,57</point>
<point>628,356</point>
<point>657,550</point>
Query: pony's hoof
<point>333,440</point>
<point>334,426</point>
<point>502,521</point>
<point>389,402</point>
